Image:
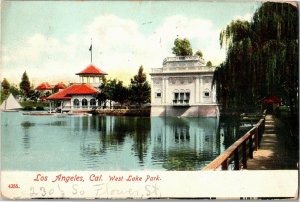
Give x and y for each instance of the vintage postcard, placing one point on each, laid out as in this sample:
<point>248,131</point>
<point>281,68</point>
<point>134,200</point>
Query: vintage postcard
<point>149,100</point>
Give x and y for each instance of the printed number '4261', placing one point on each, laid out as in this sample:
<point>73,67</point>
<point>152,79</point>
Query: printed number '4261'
<point>13,186</point>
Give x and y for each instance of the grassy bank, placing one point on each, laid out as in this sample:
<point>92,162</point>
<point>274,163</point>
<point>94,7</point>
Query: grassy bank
<point>30,105</point>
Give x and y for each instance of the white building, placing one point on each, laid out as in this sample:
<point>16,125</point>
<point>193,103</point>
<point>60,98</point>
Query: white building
<point>183,87</point>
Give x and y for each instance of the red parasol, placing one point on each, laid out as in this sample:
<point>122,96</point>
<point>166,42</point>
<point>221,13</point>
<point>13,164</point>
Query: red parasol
<point>271,100</point>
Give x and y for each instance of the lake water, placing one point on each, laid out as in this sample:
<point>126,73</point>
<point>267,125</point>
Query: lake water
<point>49,143</point>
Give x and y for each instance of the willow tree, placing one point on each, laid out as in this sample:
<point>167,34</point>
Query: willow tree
<point>262,58</point>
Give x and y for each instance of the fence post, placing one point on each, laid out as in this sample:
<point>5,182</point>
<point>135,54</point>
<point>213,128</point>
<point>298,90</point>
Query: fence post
<point>225,165</point>
<point>251,147</point>
<point>236,159</point>
<point>244,154</point>
<point>256,137</point>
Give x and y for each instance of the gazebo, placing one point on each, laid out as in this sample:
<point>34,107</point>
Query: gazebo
<point>59,86</point>
<point>91,75</point>
<point>45,86</point>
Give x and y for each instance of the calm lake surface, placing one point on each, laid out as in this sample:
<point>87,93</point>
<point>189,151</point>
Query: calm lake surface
<point>49,143</point>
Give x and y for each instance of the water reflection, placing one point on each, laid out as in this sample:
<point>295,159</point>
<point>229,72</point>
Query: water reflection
<point>171,143</point>
<point>112,132</point>
<point>114,143</point>
<point>184,143</point>
<point>26,125</point>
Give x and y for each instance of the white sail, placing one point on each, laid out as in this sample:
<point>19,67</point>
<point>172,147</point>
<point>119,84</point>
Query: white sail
<point>10,104</point>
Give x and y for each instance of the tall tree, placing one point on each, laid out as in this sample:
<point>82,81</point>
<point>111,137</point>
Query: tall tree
<point>25,85</point>
<point>262,58</point>
<point>120,93</point>
<point>139,88</point>
<point>182,47</point>
<point>5,86</point>
<point>106,92</point>
<point>5,89</point>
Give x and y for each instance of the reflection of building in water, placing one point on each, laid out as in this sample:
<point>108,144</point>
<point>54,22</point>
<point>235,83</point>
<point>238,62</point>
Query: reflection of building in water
<point>196,139</point>
<point>116,137</point>
<point>105,125</point>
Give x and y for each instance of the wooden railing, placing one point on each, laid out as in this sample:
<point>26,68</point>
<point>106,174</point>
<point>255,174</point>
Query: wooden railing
<point>236,155</point>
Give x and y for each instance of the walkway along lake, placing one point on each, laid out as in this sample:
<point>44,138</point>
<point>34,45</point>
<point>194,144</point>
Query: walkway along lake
<point>50,143</point>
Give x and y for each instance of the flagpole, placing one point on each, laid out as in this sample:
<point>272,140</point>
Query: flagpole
<point>91,49</point>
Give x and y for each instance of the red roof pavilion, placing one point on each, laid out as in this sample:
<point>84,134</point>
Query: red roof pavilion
<point>75,89</point>
<point>44,86</point>
<point>91,70</point>
<point>60,85</point>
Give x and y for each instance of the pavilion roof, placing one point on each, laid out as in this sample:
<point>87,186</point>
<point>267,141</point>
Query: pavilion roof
<point>44,86</point>
<point>91,70</point>
<point>60,85</point>
<point>75,89</point>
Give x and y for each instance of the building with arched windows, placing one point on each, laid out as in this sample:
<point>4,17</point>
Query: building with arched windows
<point>80,96</point>
<point>183,87</point>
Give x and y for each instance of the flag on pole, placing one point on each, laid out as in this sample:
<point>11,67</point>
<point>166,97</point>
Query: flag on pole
<point>90,49</point>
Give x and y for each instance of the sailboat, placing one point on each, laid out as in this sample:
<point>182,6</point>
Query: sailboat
<point>10,104</point>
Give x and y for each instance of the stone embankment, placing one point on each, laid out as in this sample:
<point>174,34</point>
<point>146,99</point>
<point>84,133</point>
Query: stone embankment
<point>123,112</point>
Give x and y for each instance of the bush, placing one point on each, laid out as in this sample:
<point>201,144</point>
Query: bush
<point>28,108</point>
<point>39,108</point>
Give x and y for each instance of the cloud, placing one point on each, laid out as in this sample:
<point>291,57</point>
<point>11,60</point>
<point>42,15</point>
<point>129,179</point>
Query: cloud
<point>119,48</point>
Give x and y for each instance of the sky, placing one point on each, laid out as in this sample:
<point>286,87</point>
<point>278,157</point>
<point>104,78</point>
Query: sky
<point>50,40</point>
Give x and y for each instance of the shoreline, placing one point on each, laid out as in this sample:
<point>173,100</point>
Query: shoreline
<point>123,112</point>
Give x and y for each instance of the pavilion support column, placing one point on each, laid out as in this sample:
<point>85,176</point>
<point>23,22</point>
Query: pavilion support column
<point>71,105</point>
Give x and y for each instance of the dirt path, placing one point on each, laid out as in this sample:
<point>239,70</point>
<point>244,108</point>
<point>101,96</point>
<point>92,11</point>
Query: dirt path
<point>276,151</point>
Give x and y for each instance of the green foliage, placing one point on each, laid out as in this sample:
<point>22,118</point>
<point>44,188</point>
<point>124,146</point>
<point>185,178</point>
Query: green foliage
<point>262,58</point>
<point>139,88</point>
<point>34,95</point>
<point>199,54</point>
<point>113,90</point>
<point>5,90</point>
<point>5,86</point>
<point>39,108</point>
<point>15,91</point>
<point>28,108</point>
<point>105,92</point>
<point>25,85</point>
<point>31,105</point>
<point>182,47</point>
<point>120,93</point>
<point>209,64</point>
